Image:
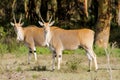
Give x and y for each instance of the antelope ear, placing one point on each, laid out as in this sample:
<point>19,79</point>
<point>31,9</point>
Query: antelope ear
<point>22,23</point>
<point>40,23</point>
<point>51,23</point>
<point>12,23</point>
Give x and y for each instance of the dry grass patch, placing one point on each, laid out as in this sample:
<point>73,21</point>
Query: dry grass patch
<point>73,67</point>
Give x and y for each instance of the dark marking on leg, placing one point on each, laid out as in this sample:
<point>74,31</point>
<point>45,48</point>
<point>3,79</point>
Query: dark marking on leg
<point>59,56</point>
<point>55,55</point>
<point>54,52</point>
<point>30,51</point>
<point>34,51</point>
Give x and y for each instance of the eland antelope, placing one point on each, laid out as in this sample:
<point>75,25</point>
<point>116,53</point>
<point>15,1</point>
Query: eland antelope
<point>31,35</point>
<point>60,39</point>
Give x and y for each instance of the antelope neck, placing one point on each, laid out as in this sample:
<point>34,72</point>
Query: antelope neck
<point>20,33</point>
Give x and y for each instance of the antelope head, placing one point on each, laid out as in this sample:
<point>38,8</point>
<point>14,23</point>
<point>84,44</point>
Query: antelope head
<point>18,28</point>
<point>46,26</point>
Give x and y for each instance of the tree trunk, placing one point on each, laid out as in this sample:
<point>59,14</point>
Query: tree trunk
<point>38,7</point>
<point>119,12</point>
<point>32,10</point>
<point>52,9</point>
<point>26,2</point>
<point>86,7</point>
<point>103,24</point>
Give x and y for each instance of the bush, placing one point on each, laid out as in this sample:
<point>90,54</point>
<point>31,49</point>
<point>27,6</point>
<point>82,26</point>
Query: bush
<point>73,64</point>
<point>2,32</point>
<point>99,51</point>
<point>3,48</point>
<point>19,69</point>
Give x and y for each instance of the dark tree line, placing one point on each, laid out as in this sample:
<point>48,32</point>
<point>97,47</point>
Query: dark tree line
<point>99,15</point>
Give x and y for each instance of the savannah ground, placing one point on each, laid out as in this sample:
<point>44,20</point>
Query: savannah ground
<point>13,66</point>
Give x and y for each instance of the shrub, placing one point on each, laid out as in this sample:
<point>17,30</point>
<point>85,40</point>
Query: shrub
<point>73,64</point>
<point>19,69</point>
<point>99,51</point>
<point>35,76</point>
<point>3,48</point>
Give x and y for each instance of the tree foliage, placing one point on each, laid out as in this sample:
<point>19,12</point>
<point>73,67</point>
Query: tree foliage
<point>69,14</point>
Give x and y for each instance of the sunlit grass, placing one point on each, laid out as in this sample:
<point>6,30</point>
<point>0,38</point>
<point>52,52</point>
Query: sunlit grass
<point>11,46</point>
<point>43,50</point>
<point>116,52</point>
<point>3,48</point>
<point>73,67</point>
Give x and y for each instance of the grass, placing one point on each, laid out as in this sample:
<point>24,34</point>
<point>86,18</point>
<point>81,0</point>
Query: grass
<point>73,67</point>
<point>19,69</point>
<point>35,76</point>
<point>116,52</point>
<point>11,46</point>
<point>43,50</point>
<point>13,62</point>
<point>3,48</point>
<point>73,64</point>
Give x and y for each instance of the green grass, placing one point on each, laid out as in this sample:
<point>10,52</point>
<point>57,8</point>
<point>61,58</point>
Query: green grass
<point>43,50</point>
<point>35,76</point>
<point>99,51</point>
<point>19,69</point>
<point>116,52</point>
<point>113,51</point>
<point>73,64</point>
<point>3,48</point>
<point>11,46</point>
<point>79,51</point>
